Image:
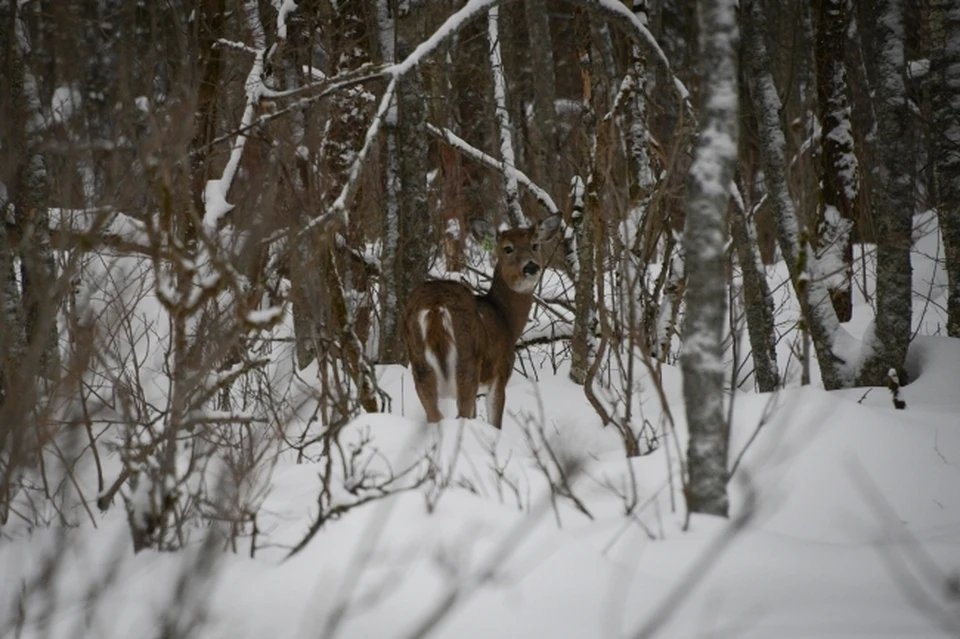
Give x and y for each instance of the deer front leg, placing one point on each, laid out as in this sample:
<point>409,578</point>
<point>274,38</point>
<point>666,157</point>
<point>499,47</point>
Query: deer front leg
<point>496,398</point>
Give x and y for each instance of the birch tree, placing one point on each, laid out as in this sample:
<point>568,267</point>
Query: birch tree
<point>757,299</point>
<point>510,187</point>
<point>945,67</point>
<point>408,166</point>
<point>585,201</point>
<point>808,280</point>
<point>838,208</point>
<point>886,347</point>
<point>12,330</point>
<point>704,239</point>
<point>28,197</point>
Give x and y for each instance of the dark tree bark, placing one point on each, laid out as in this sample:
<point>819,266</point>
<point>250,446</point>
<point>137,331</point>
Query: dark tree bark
<point>543,133</point>
<point>408,166</point>
<point>640,177</point>
<point>893,206</point>
<point>704,238</point>
<point>29,190</point>
<point>945,68</point>
<point>758,302</point>
<point>808,282</point>
<point>585,204</point>
<point>837,211</point>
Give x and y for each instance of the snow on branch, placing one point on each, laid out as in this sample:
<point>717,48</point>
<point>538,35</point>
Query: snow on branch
<point>503,119</point>
<point>215,192</point>
<point>477,155</point>
<point>620,14</point>
<point>96,227</point>
<point>338,210</point>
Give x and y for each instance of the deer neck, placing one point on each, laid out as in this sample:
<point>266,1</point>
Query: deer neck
<point>514,307</point>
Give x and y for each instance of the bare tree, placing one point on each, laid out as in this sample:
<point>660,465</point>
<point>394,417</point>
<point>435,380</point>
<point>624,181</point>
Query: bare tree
<point>893,206</point>
<point>409,164</point>
<point>945,67</point>
<point>543,134</point>
<point>758,301</point>
<point>808,279</point>
<point>838,209</point>
<point>704,238</point>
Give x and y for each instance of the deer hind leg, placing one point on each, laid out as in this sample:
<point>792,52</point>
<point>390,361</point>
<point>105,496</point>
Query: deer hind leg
<point>467,385</point>
<point>437,359</point>
<point>426,382</point>
<point>495,401</point>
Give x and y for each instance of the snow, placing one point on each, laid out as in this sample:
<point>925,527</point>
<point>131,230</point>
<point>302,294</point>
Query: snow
<point>284,9</point>
<point>265,316</point>
<point>100,222</point>
<point>488,541</point>
<point>917,69</point>
<point>64,103</point>
<point>215,203</point>
<point>856,516</point>
<point>476,154</point>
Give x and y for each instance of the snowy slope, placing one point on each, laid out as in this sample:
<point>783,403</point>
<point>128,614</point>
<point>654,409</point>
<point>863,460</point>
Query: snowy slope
<point>818,557</point>
<point>856,530</point>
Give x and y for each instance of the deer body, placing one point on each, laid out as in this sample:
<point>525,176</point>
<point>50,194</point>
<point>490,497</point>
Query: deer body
<point>460,344</point>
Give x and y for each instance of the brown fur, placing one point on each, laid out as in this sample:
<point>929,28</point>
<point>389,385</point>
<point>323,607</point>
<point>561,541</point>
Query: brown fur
<point>485,327</point>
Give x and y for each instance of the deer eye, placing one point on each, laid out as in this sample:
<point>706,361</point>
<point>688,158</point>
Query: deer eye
<point>535,246</point>
<point>508,249</point>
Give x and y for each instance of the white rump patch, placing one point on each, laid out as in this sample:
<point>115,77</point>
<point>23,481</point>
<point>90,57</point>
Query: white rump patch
<point>446,386</point>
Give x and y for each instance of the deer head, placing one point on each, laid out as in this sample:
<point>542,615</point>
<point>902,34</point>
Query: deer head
<point>460,343</point>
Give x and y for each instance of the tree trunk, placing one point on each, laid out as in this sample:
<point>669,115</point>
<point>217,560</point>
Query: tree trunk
<point>583,314</point>
<point>29,195</point>
<point>808,282</point>
<point>411,163</point>
<point>758,302</point>
<point>886,348</point>
<point>837,211</point>
<point>704,239</point>
<point>544,130</point>
<point>640,177</point>
<point>585,201</point>
<point>945,67</point>
<point>507,156</point>
<point>670,301</point>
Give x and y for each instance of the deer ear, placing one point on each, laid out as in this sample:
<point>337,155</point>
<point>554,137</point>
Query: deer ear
<point>483,232</point>
<point>547,227</point>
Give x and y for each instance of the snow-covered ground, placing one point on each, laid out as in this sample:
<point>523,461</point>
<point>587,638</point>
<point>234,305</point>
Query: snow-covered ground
<point>845,522</point>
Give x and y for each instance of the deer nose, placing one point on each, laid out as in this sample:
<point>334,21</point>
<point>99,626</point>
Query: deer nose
<point>531,268</point>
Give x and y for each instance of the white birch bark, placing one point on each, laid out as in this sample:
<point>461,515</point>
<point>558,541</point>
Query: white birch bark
<point>37,266</point>
<point>704,239</point>
<point>885,348</point>
<point>389,306</point>
<point>758,302</point>
<point>836,371</point>
<point>839,180</point>
<point>511,190</point>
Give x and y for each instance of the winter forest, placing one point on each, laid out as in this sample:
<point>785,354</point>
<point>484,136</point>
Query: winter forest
<point>734,400</point>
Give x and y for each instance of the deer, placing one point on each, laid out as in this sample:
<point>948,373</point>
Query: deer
<point>460,344</point>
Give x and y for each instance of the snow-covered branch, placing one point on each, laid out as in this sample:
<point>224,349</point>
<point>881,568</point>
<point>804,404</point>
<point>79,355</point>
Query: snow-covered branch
<point>514,211</point>
<point>215,192</point>
<point>477,155</point>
